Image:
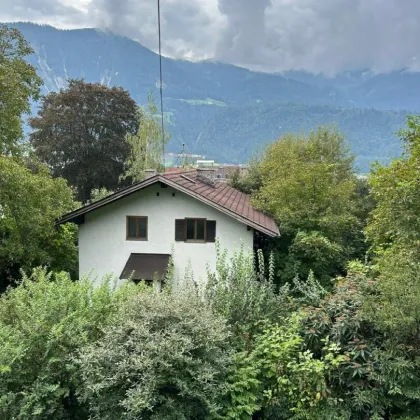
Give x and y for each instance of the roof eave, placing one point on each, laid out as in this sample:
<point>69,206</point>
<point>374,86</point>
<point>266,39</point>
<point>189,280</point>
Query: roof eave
<point>107,200</point>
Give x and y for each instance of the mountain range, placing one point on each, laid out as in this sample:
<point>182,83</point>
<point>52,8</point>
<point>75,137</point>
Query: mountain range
<point>227,112</point>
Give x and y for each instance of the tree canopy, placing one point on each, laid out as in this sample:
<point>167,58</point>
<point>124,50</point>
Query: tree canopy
<point>308,184</point>
<point>19,83</point>
<point>30,202</point>
<point>79,133</point>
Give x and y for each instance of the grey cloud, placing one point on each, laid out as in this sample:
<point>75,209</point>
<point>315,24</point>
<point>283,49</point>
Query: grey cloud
<point>332,35</point>
<point>245,33</point>
<point>189,28</point>
<point>42,11</point>
<point>275,35</point>
<point>270,35</point>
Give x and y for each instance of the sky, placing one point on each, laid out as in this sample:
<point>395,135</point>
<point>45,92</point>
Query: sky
<point>326,36</point>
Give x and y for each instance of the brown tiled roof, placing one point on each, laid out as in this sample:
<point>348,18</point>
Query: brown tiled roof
<point>224,196</point>
<point>219,195</point>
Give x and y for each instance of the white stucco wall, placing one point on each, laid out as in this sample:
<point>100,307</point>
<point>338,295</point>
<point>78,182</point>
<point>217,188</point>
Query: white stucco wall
<point>103,248</point>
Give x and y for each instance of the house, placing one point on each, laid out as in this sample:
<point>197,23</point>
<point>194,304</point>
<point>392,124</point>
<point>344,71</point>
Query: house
<point>133,232</point>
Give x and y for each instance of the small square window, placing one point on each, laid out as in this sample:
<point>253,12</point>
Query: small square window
<point>136,228</point>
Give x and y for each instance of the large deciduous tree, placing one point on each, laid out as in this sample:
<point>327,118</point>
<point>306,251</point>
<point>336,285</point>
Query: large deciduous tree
<point>79,133</point>
<point>308,184</point>
<point>18,84</point>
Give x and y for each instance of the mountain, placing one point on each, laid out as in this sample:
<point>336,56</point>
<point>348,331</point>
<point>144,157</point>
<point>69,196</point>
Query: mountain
<point>224,111</point>
<point>371,133</point>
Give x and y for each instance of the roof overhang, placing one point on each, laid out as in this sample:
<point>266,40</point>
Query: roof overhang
<point>146,267</point>
<point>77,216</point>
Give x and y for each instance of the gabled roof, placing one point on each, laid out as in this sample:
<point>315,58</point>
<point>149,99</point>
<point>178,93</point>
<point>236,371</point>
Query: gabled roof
<point>221,196</point>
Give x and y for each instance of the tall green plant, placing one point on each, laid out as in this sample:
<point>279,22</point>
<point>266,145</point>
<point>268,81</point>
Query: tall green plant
<point>242,291</point>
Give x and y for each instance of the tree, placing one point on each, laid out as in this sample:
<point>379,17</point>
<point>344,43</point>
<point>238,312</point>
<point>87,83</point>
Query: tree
<point>31,200</point>
<point>18,84</point>
<point>147,145</point>
<point>308,184</point>
<point>396,189</point>
<point>79,133</point>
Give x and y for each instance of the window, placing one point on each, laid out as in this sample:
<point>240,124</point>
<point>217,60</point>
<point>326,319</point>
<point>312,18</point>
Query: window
<point>195,230</point>
<point>136,228</point>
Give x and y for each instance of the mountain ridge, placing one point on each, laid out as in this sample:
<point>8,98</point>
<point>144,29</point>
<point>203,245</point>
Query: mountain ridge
<point>200,97</point>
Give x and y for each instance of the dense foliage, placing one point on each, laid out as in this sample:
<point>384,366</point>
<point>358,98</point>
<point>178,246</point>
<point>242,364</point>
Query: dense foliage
<point>43,323</point>
<point>308,184</point>
<point>165,357</point>
<point>19,83</point>
<point>30,202</point>
<point>79,133</point>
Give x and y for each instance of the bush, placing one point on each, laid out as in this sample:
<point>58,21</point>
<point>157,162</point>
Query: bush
<point>44,321</point>
<point>165,357</point>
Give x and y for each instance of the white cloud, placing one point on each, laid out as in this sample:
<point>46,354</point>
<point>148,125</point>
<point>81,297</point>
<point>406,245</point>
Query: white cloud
<point>272,35</point>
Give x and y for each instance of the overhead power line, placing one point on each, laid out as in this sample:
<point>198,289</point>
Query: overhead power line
<point>161,84</point>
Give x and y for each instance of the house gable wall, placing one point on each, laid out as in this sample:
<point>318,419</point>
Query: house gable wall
<point>103,248</point>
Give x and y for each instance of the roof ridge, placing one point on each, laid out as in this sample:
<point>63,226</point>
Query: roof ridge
<point>222,196</point>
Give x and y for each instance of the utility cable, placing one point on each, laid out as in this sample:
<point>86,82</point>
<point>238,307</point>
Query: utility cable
<point>161,85</point>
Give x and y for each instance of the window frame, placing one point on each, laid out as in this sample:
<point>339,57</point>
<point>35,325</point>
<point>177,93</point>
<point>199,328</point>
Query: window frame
<point>137,238</point>
<point>195,240</point>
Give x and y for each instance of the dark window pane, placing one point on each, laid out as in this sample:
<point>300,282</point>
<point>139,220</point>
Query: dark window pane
<point>180,230</point>
<point>200,229</point>
<point>142,228</point>
<point>190,229</point>
<point>211,230</point>
<point>131,227</point>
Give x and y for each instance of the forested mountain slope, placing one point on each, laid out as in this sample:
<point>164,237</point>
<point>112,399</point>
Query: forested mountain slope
<point>224,111</point>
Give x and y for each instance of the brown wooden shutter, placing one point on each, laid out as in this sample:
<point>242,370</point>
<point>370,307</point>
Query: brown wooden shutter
<point>211,230</point>
<point>180,230</point>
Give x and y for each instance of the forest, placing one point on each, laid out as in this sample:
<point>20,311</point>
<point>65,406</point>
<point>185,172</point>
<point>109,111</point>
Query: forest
<point>320,323</point>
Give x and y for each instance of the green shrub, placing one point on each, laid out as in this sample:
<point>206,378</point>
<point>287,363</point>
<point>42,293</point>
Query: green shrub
<point>44,321</point>
<point>165,357</point>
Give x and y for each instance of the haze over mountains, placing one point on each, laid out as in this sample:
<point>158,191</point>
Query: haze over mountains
<point>226,112</point>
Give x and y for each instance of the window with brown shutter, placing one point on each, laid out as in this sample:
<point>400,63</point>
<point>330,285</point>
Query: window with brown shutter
<point>195,230</point>
<point>136,228</point>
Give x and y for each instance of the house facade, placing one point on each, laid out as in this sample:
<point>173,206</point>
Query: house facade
<point>134,232</point>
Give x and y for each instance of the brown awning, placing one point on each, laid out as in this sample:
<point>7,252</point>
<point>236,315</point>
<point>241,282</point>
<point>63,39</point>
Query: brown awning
<point>146,267</point>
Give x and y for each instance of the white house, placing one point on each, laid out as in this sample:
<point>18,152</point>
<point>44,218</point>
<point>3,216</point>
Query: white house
<point>133,232</point>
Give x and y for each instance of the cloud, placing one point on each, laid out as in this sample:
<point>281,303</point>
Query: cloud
<point>189,27</point>
<point>60,13</point>
<point>270,35</point>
